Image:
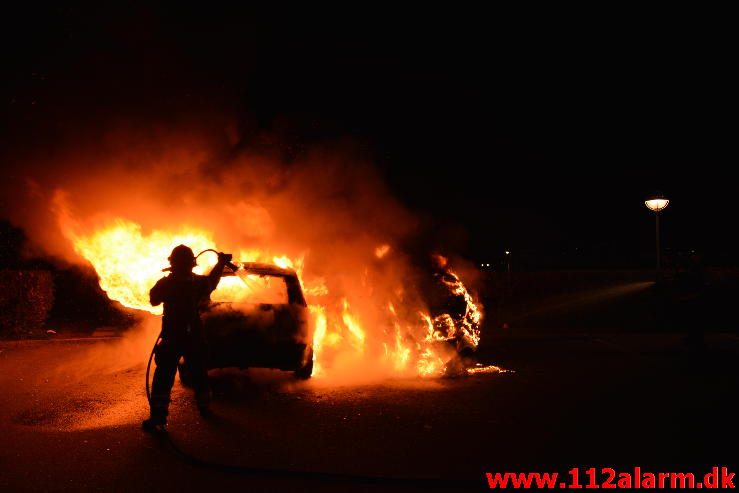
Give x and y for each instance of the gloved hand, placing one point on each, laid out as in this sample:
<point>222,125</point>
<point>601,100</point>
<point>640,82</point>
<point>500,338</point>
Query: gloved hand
<point>224,258</point>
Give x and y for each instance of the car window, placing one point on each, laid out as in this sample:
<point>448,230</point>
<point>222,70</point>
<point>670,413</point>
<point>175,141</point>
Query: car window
<point>251,288</point>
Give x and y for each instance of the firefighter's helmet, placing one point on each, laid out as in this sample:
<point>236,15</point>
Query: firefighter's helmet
<point>182,256</point>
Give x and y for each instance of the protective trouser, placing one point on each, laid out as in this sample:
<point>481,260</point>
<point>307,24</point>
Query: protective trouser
<point>166,357</point>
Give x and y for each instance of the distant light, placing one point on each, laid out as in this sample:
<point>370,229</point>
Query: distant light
<point>507,252</point>
<point>487,265</point>
<point>482,265</point>
<point>656,202</point>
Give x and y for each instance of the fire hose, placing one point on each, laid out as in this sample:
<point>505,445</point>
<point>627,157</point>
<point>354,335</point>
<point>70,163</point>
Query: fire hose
<point>231,265</point>
<point>299,474</point>
<point>148,367</point>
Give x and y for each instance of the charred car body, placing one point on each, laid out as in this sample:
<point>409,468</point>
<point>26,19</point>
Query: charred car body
<point>262,322</point>
<point>456,317</point>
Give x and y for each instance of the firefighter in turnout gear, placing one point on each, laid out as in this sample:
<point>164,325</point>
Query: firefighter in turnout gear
<point>184,295</point>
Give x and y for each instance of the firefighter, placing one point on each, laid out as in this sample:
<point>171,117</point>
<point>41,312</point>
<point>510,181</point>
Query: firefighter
<point>184,295</point>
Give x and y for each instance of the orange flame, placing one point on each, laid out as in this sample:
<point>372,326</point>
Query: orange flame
<point>129,261</point>
<point>382,250</point>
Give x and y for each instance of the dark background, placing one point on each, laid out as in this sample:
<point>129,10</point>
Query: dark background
<point>539,131</point>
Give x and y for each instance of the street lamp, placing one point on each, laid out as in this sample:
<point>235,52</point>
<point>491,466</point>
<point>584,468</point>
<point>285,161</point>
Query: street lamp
<point>657,203</point>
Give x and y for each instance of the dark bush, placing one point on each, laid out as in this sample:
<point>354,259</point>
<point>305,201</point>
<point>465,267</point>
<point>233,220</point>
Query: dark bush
<point>26,298</point>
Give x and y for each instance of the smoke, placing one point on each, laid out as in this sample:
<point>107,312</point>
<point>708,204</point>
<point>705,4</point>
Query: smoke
<point>326,205</point>
<point>160,178</point>
<point>118,355</point>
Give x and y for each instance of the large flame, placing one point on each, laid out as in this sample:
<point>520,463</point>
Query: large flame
<point>129,262</point>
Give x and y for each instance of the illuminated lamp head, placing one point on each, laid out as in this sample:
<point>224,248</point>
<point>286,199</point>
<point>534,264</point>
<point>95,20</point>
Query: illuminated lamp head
<point>656,202</point>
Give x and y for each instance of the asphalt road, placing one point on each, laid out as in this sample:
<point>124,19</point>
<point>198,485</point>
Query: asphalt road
<point>70,419</point>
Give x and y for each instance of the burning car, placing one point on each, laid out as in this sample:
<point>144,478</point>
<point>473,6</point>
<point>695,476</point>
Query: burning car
<point>258,318</point>
<point>278,311</point>
<point>454,315</point>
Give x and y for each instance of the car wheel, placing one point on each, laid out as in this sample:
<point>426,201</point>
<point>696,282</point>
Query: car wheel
<point>185,375</point>
<point>305,371</point>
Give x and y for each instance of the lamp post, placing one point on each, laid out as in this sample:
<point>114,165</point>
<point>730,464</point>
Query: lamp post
<point>657,203</point>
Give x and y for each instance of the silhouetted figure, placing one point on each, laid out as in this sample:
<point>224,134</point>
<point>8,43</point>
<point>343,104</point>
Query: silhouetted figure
<point>184,295</point>
<point>692,287</point>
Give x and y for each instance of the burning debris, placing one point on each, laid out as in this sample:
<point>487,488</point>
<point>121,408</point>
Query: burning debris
<point>457,315</point>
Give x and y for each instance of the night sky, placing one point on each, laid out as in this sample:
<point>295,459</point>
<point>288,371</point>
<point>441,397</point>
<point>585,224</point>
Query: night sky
<point>538,131</point>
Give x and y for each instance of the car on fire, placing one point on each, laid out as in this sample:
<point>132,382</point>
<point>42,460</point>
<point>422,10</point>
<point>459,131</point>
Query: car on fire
<point>259,319</point>
<point>455,316</point>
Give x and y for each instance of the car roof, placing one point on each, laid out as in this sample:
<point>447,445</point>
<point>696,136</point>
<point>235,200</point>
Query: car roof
<point>263,269</point>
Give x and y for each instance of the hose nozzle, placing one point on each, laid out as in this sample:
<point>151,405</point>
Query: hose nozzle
<point>226,259</point>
